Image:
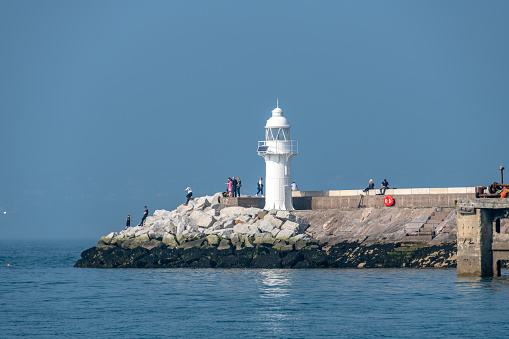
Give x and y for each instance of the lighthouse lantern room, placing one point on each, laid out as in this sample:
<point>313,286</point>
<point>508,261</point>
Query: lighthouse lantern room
<point>278,150</point>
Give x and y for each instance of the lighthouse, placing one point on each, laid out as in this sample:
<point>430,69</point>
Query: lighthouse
<point>277,149</point>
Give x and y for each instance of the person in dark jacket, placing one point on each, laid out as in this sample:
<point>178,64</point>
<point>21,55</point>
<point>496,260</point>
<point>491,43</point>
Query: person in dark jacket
<point>145,215</point>
<point>239,185</point>
<point>234,186</point>
<point>384,186</point>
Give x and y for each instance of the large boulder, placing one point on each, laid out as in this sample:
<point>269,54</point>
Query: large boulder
<point>232,212</point>
<point>163,214</point>
<point>290,225</point>
<point>241,228</point>
<point>206,221</point>
<point>273,220</point>
<point>266,226</point>
<point>285,234</point>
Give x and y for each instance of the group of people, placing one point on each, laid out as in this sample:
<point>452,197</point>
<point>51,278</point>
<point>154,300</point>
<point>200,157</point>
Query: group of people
<point>383,187</point>
<point>234,185</point>
<point>142,222</point>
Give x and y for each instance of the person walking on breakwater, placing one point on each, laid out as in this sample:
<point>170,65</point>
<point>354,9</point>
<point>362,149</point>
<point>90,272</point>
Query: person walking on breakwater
<point>128,221</point>
<point>145,215</point>
<point>234,186</point>
<point>384,187</point>
<point>189,195</point>
<point>370,186</point>
<point>239,185</point>
<point>260,187</point>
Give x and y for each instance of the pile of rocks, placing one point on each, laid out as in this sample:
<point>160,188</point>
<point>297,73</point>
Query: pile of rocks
<point>207,217</point>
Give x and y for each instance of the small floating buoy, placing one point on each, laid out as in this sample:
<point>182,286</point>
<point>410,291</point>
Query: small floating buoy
<point>8,265</point>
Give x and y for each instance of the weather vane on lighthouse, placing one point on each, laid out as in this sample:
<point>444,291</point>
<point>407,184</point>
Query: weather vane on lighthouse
<point>278,150</point>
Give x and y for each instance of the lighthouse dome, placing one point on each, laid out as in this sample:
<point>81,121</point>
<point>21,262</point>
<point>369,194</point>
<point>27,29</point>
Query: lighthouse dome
<point>277,120</point>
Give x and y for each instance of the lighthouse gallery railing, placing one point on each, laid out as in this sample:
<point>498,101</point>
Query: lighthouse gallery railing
<point>278,147</point>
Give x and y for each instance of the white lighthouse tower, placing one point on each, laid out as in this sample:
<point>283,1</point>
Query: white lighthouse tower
<point>278,150</point>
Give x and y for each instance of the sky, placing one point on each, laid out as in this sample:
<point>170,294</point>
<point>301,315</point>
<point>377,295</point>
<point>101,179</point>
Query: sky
<point>108,106</point>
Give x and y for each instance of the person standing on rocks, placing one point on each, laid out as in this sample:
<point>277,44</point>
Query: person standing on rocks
<point>128,221</point>
<point>260,187</point>
<point>234,186</point>
<point>230,187</point>
<point>145,215</point>
<point>239,185</point>
<point>189,195</point>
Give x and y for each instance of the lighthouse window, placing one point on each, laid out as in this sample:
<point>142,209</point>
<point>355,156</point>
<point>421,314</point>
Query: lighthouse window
<point>277,134</point>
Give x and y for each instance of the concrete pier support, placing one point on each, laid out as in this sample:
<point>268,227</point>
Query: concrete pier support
<point>480,244</point>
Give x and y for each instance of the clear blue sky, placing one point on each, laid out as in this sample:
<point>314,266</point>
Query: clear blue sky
<point>107,106</point>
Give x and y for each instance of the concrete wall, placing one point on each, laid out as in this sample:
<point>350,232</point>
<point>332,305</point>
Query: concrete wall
<point>397,191</point>
<point>351,202</point>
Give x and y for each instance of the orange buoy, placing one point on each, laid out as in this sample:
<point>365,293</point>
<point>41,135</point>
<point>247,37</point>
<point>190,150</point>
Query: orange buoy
<point>388,201</point>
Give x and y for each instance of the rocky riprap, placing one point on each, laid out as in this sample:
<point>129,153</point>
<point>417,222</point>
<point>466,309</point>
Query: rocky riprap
<point>206,234</point>
<point>302,254</point>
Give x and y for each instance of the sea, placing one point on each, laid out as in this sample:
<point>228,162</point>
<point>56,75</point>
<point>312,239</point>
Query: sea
<point>42,295</point>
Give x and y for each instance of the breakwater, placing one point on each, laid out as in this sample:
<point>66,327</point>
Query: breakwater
<point>206,233</point>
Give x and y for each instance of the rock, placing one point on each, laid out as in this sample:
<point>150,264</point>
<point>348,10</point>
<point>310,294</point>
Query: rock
<point>242,219</point>
<point>169,240</point>
<point>206,221</point>
<point>273,220</point>
<point>253,230</point>
<point>212,212</point>
<point>285,234</point>
<point>275,231</point>
<point>164,214</point>
<point>266,226</point>
<point>264,238</point>
<point>285,215</point>
<point>185,208</point>
<point>247,240</point>
<point>214,200</point>
<point>241,228</point>
<point>290,225</point>
<point>229,224</point>
<point>253,211</point>
<point>200,203</point>
<point>300,237</point>
<point>262,214</point>
<point>196,215</point>
<point>232,212</point>
<point>291,259</point>
<point>224,245</point>
<point>225,233</point>
<point>213,239</point>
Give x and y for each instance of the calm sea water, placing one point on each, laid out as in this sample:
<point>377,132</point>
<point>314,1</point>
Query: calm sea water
<point>41,294</point>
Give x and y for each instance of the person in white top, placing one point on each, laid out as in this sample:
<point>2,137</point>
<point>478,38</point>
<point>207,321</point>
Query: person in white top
<point>189,195</point>
<point>260,187</point>
<point>294,186</point>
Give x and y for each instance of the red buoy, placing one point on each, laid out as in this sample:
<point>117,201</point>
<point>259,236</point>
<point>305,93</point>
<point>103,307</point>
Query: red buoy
<point>388,201</point>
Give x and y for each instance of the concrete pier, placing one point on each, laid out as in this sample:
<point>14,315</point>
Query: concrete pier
<point>481,246</point>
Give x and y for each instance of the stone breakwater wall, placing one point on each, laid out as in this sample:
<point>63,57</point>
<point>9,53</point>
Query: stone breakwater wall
<point>208,253</point>
<point>206,233</point>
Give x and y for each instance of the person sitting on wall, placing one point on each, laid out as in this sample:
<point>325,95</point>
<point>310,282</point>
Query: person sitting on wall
<point>384,186</point>
<point>294,186</point>
<point>370,186</point>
